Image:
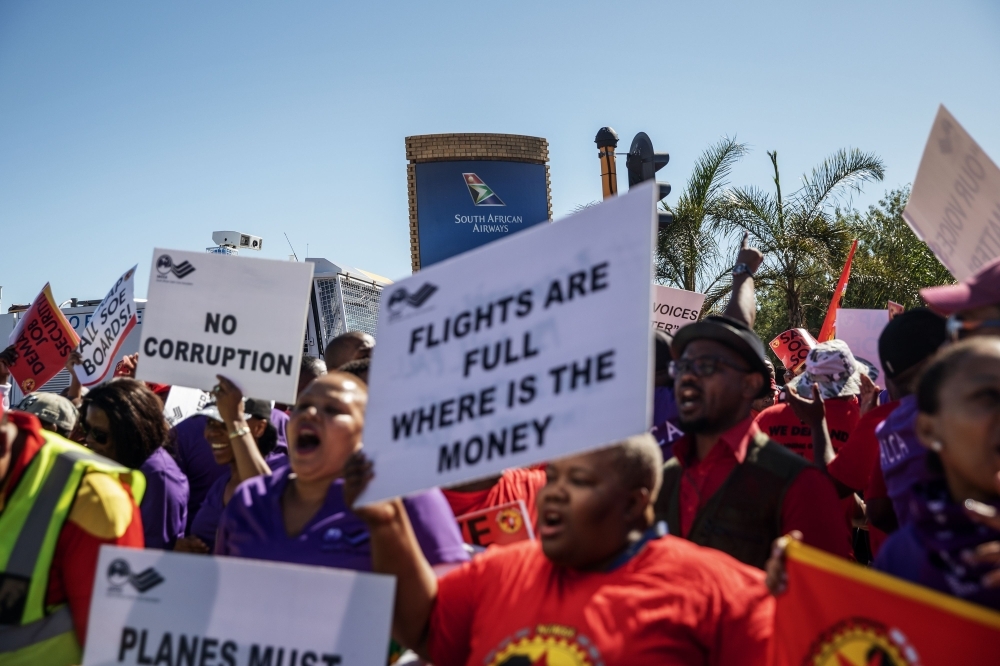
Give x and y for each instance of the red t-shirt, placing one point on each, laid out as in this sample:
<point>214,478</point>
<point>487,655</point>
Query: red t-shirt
<point>514,484</point>
<point>781,424</point>
<point>672,603</point>
<point>71,576</point>
<point>810,505</point>
<point>857,458</point>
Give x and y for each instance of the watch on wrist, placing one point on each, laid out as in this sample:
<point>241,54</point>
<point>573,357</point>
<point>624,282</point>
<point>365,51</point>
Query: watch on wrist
<point>239,432</point>
<point>742,269</point>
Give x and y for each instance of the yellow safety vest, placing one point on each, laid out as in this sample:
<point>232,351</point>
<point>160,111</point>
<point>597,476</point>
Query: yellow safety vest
<point>30,632</point>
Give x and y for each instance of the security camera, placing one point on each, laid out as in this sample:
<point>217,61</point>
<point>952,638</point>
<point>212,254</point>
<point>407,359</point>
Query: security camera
<point>236,239</point>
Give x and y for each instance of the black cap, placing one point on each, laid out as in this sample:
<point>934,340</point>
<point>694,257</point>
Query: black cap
<point>663,355</point>
<point>909,338</point>
<point>731,333</point>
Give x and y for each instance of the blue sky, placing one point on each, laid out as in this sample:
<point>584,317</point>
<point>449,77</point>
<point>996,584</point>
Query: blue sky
<point>125,125</point>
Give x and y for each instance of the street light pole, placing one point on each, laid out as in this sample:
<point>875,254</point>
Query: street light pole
<point>607,141</point>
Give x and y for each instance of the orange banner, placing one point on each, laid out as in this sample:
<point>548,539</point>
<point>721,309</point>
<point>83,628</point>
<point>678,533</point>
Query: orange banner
<point>503,524</point>
<point>836,613</point>
<point>792,347</point>
<point>43,339</point>
<point>827,332</point>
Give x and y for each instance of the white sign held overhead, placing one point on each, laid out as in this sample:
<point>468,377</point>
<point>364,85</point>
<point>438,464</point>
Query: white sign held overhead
<point>860,330</point>
<point>216,314</point>
<point>106,330</point>
<point>152,606</point>
<point>530,348</point>
<point>673,308</point>
<point>955,203</point>
<point>182,402</point>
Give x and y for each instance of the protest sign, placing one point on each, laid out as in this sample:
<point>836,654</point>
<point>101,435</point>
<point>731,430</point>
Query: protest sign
<point>530,348</point>
<point>152,606</point>
<point>106,330</point>
<point>673,308</point>
<point>43,339</point>
<point>500,525</point>
<point>182,402</point>
<point>860,330</point>
<point>792,347</point>
<point>837,612</point>
<point>955,203</point>
<point>216,314</point>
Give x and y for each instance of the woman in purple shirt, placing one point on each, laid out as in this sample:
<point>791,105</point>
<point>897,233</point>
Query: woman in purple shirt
<point>298,514</point>
<point>947,545</point>
<point>123,420</point>
<point>244,456</point>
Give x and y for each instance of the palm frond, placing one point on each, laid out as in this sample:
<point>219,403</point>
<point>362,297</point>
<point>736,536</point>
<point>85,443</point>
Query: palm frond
<point>845,169</point>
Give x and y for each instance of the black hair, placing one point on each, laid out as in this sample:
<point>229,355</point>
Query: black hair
<point>135,416</point>
<point>943,366</point>
<point>267,440</point>
<point>358,367</point>
<point>313,366</point>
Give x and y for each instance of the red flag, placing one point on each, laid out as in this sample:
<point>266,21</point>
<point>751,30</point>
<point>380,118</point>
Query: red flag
<point>838,613</point>
<point>826,333</point>
<point>43,339</point>
<point>503,524</point>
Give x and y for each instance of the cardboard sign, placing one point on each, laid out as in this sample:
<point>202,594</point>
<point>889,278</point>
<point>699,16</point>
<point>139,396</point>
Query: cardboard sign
<point>507,523</point>
<point>216,314</point>
<point>182,402</point>
<point>43,339</point>
<point>860,330</point>
<point>106,330</point>
<point>792,347</point>
<point>152,606</point>
<point>530,348</point>
<point>673,308</point>
<point>955,203</point>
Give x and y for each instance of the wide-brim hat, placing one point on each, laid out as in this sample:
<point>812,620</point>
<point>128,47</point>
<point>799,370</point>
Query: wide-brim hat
<point>731,333</point>
<point>833,367</point>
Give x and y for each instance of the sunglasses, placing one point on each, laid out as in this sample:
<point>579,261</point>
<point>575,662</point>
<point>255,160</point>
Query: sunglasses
<point>90,432</point>
<point>702,366</point>
<point>958,328</point>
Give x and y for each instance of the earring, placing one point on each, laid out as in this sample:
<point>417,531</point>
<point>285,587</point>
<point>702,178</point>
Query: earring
<point>936,446</point>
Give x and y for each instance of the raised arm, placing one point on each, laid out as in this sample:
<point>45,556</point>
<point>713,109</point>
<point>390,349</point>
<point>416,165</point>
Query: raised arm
<point>395,551</point>
<point>249,461</point>
<point>813,414</point>
<point>743,302</point>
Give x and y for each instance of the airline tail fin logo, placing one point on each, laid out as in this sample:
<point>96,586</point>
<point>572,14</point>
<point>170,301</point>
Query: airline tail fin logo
<point>481,193</point>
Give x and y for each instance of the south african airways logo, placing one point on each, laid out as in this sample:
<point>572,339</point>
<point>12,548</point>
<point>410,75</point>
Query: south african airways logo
<point>480,192</point>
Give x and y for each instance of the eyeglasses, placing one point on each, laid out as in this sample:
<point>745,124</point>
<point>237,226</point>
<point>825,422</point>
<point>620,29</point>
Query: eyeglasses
<point>98,435</point>
<point>958,328</point>
<point>702,366</point>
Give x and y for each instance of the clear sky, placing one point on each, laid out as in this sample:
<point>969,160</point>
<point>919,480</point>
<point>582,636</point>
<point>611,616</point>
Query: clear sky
<point>130,125</point>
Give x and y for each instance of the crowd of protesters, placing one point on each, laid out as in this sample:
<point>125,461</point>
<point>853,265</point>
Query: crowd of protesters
<point>665,548</point>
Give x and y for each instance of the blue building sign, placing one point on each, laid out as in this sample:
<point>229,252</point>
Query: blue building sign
<point>464,204</point>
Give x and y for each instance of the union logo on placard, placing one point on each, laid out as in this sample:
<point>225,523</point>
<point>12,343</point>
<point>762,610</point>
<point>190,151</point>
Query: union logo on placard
<point>510,520</point>
<point>28,385</point>
<point>165,266</point>
<point>546,645</point>
<point>860,641</point>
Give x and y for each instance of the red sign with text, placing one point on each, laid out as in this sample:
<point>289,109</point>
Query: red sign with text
<point>43,339</point>
<point>792,347</point>
<point>503,524</point>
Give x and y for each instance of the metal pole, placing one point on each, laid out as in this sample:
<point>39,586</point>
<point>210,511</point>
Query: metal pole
<point>607,141</point>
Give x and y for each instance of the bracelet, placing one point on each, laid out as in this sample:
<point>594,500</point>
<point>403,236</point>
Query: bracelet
<point>245,430</point>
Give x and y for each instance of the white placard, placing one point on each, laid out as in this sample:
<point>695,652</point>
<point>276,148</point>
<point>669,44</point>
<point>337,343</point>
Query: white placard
<point>673,308</point>
<point>150,603</point>
<point>955,203</point>
<point>216,314</point>
<point>530,348</point>
<point>860,330</point>
<point>182,402</point>
<point>106,330</point>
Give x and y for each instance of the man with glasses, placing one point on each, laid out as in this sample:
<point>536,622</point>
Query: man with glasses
<point>728,486</point>
<point>973,306</point>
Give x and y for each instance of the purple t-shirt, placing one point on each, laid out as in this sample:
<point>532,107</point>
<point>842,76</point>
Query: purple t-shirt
<point>206,521</point>
<point>903,458</point>
<point>164,505</point>
<point>194,457</point>
<point>252,526</point>
<point>666,420</point>
<point>279,420</point>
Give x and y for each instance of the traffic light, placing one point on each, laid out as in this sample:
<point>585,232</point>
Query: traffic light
<point>642,164</point>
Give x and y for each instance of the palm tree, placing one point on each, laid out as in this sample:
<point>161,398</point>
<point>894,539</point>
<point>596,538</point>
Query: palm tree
<point>688,255</point>
<point>801,239</point>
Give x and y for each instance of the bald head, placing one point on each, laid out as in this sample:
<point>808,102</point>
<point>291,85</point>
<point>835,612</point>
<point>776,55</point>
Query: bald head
<point>348,347</point>
<point>350,388</point>
<point>638,462</point>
